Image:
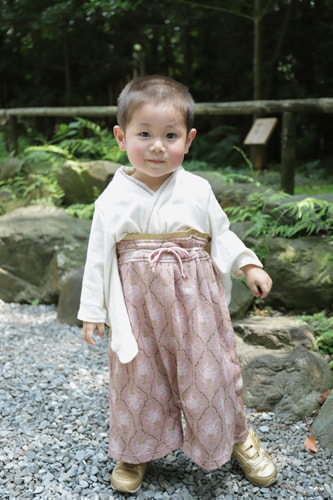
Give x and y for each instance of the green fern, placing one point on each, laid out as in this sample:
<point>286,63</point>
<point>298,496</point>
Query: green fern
<point>245,158</point>
<point>94,127</point>
<point>313,216</point>
<point>15,186</point>
<point>309,216</point>
<point>262,226</point>
<point>50,148</point>
<point>80,140</point>
<point>81,211</point>
<point>42,188</point>
<point>322,327</point>
<point>262,223</point>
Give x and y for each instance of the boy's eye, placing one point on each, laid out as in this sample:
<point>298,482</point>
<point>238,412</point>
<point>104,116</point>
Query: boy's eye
<point>171,135</point>
<point>144,134</point>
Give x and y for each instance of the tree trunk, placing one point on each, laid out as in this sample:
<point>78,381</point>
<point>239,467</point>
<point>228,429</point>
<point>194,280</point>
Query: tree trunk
<point>279,44</point>
<point>255,150</point>
<point>11,134</point>
<point>187,52</point>
<point>257,51</point>
<point>288,152</point>
<point>68,86</point>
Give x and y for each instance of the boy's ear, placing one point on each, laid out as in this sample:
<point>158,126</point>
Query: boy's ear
<point>120,137</point>
<point>190,137</point>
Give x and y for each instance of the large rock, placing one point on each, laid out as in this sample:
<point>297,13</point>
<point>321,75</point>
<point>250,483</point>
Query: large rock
<point>69,298</point>
<point>231,194</point>
<point>39,246</point>
<point>287,377</point>
<point>302,272</point>
<point>241,299</point>
<point>10,168</point>
<point>323,424</point>
<point>82,182</point>
<point>280,332</point>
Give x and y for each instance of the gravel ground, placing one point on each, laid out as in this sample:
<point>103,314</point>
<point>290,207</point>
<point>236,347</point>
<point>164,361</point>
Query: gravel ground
<point>54,427</point>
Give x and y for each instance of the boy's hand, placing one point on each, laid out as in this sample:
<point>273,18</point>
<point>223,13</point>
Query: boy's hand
<point>258,280</point>
<point>89,329</point>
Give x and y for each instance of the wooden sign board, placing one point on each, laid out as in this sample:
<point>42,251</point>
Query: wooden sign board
<point>260,132</point>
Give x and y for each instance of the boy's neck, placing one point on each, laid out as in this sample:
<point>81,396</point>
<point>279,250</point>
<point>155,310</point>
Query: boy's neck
<point>154,183</point>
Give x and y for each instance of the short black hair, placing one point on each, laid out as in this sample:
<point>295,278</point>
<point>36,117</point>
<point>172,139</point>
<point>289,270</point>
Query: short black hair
<point>154,89</point>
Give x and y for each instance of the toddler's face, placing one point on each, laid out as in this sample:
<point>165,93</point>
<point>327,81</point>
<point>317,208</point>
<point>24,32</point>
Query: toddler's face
<point>156,140</point>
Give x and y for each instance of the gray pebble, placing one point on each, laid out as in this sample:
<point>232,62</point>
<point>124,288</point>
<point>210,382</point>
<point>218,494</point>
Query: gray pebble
<point>264,429</point>
<point>54,428</point>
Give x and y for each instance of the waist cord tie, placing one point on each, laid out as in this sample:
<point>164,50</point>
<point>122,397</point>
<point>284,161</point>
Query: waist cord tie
<point>178,253</point>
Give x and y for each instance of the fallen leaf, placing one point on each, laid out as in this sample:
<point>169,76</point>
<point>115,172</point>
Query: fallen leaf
<point>311,444</point>
<point>323,397</point>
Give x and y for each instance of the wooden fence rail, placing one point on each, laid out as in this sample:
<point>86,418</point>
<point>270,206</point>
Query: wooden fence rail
<point>288,108</point>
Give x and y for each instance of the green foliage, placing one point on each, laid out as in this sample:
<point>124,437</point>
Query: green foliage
<point>48,148</point>
<point>36,182</point>
<point>313,216</point>
<point>84,139</point>
<point>322,327</point>
<point>3,152</point>
<point>43,189</point>
<point>13,188</point>
<point>262,224</point>
<point>196,165</point>
<point>38,188</point>
<point>245,158</point>
<point>81,211</point>
<point>110,8</point>
<point>315,189</point>
<point>309,216</point>
<point>312,178</point>
<point>216,146</point>
<point>183,39</point>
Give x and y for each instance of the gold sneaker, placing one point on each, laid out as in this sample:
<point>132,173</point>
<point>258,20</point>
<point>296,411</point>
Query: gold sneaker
<point>127,478</point>
<point>254,461</point>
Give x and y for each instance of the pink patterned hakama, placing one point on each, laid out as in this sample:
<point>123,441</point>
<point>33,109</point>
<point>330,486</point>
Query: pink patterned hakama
<point>187,360</point>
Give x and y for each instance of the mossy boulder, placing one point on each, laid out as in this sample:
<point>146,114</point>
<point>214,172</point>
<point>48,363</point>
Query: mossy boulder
<point>282,370</point>
<point>301,270</point>
<point>83,181</point>
<point>39,246</point>
<point>231,194</point>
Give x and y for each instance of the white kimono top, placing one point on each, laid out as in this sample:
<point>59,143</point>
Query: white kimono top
<point>184,201</point>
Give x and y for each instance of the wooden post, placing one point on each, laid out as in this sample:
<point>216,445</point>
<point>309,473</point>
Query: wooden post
<point>11,134</point>
<point>288,152</point>
<point>260,154</point>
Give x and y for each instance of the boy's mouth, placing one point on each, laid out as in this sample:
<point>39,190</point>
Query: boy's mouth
<point>155,161</point>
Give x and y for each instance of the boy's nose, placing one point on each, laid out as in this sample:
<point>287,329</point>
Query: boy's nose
<point>157,145</point>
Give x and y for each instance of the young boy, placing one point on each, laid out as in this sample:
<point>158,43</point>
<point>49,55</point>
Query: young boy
<point>165,298</point>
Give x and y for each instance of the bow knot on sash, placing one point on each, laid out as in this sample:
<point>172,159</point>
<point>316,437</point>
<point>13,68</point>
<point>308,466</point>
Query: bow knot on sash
<point>177,252</point>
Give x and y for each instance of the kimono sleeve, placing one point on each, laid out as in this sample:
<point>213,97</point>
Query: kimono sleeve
<point>227,250</point>
<point>92,304</point>
<point>102,297</point>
